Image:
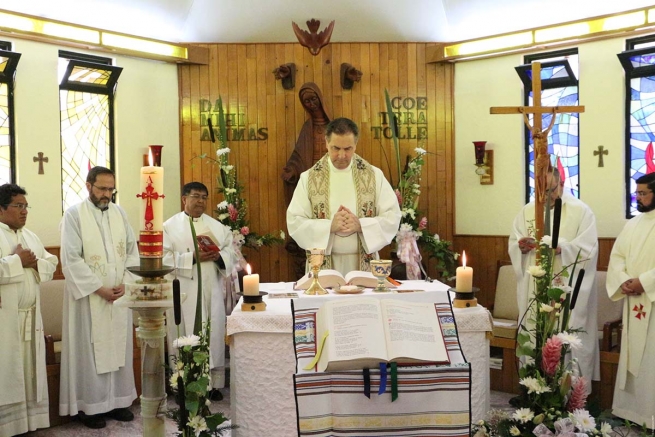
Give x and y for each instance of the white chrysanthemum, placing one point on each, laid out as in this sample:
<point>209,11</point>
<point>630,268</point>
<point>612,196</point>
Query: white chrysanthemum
<point>523,415</point>
<point>227,168</point>
<point>545,308</point>
<point>534,385</point>
<point>514,431</point>
<point>222,205</point>
<point>406,227</point>
<point>455,255</point>
<point>260,242</point>
<point>179,365</point>
<point>282,235</point>
<point>547,240</point>
<point>412,164</point>
<point>437,238</point>
<point>198,424</point>
<point>529,361</point>
<point>222,217</point>
<point>230,190</point>
<point>536,271</point>
<point>187,340</point>
<point>583,420</point>
<point>605,429</point>
<point>173,379</point>
<point>222,151</point>
<point>558,305</point>
<point>420,151</point>
<point>571,339</point>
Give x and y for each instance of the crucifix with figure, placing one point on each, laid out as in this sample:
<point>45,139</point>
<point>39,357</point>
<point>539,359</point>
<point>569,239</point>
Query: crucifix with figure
<point>540,137</point>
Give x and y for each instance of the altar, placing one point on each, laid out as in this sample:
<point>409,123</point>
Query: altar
<point>261,388</point>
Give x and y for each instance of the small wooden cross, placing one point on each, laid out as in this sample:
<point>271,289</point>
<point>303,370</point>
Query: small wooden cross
<point>40,159</point>
<point>540,137</point>
<point>600,152</point>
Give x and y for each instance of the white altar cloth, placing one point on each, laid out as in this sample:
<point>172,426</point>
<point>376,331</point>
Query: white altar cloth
<point>262,361</point>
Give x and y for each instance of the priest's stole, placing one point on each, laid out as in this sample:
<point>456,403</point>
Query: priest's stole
<point>431,400</point>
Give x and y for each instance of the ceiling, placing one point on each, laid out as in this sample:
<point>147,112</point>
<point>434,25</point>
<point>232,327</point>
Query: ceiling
<point>356,20</point>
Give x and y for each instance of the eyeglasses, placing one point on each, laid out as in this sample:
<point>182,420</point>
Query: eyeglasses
<point>110,190</point>
<point>198,196</point>
<point>21,206</point>
<point>643,193</point>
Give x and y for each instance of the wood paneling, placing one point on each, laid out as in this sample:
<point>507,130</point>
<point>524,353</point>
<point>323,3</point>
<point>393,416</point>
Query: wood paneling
<point>242,75</point>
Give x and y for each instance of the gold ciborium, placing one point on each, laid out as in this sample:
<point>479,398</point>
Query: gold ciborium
<point>381,269</point>
<point>315,259</point>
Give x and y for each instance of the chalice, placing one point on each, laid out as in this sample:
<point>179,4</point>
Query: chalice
<point>315,259</point>
<point>381,269</point>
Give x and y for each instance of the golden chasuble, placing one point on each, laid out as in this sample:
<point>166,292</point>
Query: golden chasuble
<point>318,187</point>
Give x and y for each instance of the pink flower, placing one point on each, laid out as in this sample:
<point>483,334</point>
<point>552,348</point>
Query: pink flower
<point>578,397</point>
<point>423,224</point>
<point>245,230</point>
<point>399,197</point>
<point>234,214</point>
<point>550,355</point>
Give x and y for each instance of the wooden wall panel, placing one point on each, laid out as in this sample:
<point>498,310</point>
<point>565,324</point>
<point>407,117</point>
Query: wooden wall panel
<point>242,74</point>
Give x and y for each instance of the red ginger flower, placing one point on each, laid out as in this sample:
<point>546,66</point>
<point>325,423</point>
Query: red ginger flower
<point>578,397</point>
<point>550,355</point>
<point>234,214</point>
<point>423,224</point>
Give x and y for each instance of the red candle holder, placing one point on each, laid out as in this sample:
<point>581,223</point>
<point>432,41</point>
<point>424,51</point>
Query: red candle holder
<point>156,155</point>
<point>479,152</point>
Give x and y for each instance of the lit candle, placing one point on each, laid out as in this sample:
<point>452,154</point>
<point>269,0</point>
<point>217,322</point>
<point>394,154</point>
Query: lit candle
<point>464,281</point>
<point>152,204</point>
<point>250,283</point>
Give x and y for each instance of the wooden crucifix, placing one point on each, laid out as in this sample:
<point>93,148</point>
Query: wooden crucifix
<point>540,137</point>
<point>40,159</point>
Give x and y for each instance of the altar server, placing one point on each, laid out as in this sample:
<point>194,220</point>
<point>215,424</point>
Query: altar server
<point>24,264</point>
<point>343,204</point>
<point>97,244</point>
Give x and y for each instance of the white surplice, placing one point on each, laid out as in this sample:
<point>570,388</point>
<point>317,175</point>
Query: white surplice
<point>23,380</point>
<point>633,256</point>
<point>577,234</point>
<point>376,232</point>
<point>82,387</point>
<point>178,250</point>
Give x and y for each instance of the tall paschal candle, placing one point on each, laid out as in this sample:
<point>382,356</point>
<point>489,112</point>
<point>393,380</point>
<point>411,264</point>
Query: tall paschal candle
<point>557,218</point>
<point>151,181</point>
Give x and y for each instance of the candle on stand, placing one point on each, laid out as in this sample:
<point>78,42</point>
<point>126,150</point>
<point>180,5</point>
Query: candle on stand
<point>464,277</point>
<point>250,283</point>
<point>152,205</point>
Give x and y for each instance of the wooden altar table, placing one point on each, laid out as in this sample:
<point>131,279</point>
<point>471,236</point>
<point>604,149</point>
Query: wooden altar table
<point>262,361</point>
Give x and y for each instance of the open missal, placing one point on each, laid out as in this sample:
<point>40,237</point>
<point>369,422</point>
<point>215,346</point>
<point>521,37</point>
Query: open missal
<point>332,278</point>
<point>206,243</point>
<point>361,332</point>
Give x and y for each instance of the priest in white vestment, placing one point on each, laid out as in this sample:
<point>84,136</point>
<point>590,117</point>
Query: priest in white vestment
<point>631,276</point>
<point>577,233</point>
<point>216,267</point>
<point>24,264</point>
<point>343,204</point>
<point>97,244</point>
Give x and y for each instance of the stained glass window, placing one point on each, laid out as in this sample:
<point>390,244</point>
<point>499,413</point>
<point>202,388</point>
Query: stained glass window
<point>8,63</point>
<point>559,86</point>
<point>86,111</point>
<point>639,64</point>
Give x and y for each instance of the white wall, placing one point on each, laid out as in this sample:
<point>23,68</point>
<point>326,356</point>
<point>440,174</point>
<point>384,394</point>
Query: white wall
<point>479,85</point>
<point>146,112</point>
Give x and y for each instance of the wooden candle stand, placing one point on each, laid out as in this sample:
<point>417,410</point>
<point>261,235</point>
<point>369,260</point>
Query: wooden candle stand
<point>253,302</point>
<point>465,300</point>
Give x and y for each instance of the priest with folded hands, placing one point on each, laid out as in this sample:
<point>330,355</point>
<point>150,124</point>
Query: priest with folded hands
<point>343,204</point>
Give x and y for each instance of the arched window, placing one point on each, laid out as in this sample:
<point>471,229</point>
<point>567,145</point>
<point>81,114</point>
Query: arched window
<point>86,99</point>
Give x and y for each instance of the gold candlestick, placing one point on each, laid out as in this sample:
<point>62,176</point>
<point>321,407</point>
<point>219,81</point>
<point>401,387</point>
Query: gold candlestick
<point>315,259</point>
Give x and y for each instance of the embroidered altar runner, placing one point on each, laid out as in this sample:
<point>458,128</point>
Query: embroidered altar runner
<point>431,400</point>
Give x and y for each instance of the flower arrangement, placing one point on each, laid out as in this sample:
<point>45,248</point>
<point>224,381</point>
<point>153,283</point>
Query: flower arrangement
<point>413,232</point>
<point>190,380</point>
<point>553,395</point>
<point>233,210</point>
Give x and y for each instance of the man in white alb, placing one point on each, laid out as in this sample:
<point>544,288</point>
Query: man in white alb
<point>343,204</point>
<point>24,263</point>
<point>97,244</point>
<point>216,268</point>
<point>631,276</point>
<point>577,234</point>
